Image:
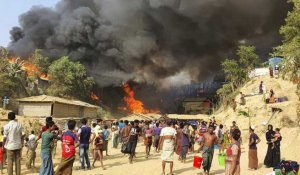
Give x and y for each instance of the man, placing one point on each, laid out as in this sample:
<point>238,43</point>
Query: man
<point>13,143</point>
<point>44,128</point>
<point>135,131</point>
<point>233,127</point>
<point>46,148</point>
<point>208,149</point>
<point>86,137</point>
<point>69,144</point>
<point>167,144</point>
<point>125,132</point>
<point>106,138</point>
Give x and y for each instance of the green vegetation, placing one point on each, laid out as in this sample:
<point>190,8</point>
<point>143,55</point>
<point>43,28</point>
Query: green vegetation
<point>236,72</point>
<point>69,79</point>
<point>290,48</point>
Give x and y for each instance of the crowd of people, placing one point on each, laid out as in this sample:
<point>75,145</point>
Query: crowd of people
<point>166,136</point>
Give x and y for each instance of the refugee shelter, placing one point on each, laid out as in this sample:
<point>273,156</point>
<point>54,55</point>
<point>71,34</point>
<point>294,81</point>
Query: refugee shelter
<point>43,105</point>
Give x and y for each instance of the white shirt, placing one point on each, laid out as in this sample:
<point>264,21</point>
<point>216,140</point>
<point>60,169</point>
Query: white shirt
<point>168,131</point>
<point>13,134</point>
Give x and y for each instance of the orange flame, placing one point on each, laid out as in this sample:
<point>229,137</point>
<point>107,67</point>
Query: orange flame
<point>135,106</point>
<point>94,96</point>
<point>31,69</point>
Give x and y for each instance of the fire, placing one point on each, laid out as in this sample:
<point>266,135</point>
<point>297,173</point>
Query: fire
<point>94,96</point>
<point>31,69</point>
<point>135,106</point>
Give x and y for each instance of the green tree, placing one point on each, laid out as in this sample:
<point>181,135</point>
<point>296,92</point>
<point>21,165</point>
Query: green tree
<point>69,79</point>
<point>40,61</point>
<point>290,48</point>
<point>247,57</point>
<point>233,73</point>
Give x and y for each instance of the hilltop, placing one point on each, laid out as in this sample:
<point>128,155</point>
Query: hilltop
<point>261,114</point>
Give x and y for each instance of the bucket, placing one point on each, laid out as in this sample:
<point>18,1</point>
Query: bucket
<point>197,162</point>
<point>278,172</point>
<point>221,158</point>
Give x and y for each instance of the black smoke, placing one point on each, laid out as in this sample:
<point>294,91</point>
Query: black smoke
<point>161,42</point>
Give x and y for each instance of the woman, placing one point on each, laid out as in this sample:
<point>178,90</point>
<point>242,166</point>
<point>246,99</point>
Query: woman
<point>185,142</point>
<point>179,136</point>
<point>232,161</point>
<point>252,156</point>
<point>276,151</point>
<point>269,156</point>
<point>148,133</point>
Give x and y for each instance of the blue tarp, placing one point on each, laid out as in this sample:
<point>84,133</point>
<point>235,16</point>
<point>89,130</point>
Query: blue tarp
<point>275,61</point>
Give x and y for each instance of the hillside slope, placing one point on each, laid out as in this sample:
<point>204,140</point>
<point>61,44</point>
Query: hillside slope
<point>261,114</point>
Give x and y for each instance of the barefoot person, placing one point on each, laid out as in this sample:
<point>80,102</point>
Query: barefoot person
<point>232,165</point>
<point>208,149</point>
<point>167,144</point>
<point>148,133</point>
<point>13,143</point>
<point>69,144</point>
<point>254,139</point>
<point>98,149</point>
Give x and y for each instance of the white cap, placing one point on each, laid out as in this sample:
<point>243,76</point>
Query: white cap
<point>252,127</point>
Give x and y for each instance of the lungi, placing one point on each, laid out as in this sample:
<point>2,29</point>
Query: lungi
<point>207,155</point>
<point>148,141</point>
<point>65,166</point>
<point>253,160</point>
<point>167,150</point>
<point>47,164</point>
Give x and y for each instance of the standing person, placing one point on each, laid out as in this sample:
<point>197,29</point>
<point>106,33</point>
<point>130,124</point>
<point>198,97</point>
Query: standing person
<point>156,132</point>
<point>69,144</point>
<point>185,142</point>
<point>233,127</point>
<point>261,87</point>
<point>276,148</point>
<point>252,156</point>
<point>116,131</point>
<point>221,139</point>
<point>13,143</point>
<point>1,157</point>
<point>46,156</point>
<point>106,138</point>
<point>85,138</point>
<point>148,133</point>
<point>133,139</point>
<point>232,165</point>
<point>179,135</point>
<point>98,149</point>
<point>192,139</point>
<point>31,145</point>
<point>208,149</point>
<point>125,132</point>
<point>269,156</point>
<point>167,144</point>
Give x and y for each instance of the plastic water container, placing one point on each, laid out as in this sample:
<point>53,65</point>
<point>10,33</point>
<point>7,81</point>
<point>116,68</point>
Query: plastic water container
<point>197,162</point>
<point>221,158</point>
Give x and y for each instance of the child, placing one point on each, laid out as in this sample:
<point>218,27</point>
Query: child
<point>47,141</point>
<point>106,138</point>
<point>69,144</point>
<point>31,147</point>
<point>277,135</point>
<point>98,149</point>
<point>1,157</point>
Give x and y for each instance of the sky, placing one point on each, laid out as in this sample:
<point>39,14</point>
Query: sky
<point>10,11</point>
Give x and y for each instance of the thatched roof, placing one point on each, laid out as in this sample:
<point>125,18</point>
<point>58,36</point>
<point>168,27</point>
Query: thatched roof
<point>51,99</point>
<point>187,117</point>
<point>141,117</point>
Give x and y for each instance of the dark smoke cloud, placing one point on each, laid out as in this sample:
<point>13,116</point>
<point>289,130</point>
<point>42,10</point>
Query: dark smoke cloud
<point>165,42</point>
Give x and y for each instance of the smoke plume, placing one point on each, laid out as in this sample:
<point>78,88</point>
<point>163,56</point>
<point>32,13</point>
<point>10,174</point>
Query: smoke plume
<point>162,42</point>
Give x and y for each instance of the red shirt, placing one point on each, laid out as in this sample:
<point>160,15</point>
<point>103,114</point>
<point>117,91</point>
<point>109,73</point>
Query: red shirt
<point>68,140</point>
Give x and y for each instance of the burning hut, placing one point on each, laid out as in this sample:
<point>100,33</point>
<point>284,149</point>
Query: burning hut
<point>43,105</point>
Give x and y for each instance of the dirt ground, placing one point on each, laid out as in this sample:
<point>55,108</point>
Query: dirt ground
<point>117,164</point>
